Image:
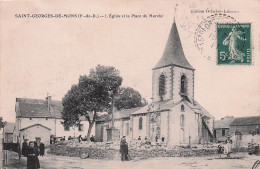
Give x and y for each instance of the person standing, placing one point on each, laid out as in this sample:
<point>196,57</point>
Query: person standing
<point>32,156</point>
<point>24,148</point>
<point>156,138</point>
<point>123,149</point>
<point>42,149</point>
<point>228,146</point>
<point>36,148</point>
<point>139,138</point>
<point>79,138</point>
<point>162,139</point>
<point>92,139</point>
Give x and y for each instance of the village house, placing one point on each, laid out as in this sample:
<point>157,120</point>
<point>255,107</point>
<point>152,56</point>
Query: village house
<point>222,128</point>
<point>173,114</point>
<point>38,120</point>
<point>8,131</point>
<point>244,130</point>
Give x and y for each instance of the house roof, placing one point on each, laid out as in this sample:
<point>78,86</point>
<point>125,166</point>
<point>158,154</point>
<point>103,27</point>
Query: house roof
<point>223,123</point>
<point>34,126</point>
<point>118,114</point>
<point>38,108</point>
<point>245,121</point>
<point>173,53</point>
<point>9,127</point>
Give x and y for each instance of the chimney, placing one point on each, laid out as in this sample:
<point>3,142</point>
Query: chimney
<point>48,99</point>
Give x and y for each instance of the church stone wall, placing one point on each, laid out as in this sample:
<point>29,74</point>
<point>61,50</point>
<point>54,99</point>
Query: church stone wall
<point>164,125</point>
<point>177,73</point>
<point>167,71</point>
<point>136,131</point>
<point>189,129</point>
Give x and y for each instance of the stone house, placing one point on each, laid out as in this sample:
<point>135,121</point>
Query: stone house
<point>222,128</point>
<point>37,120</point>
<point>244,130</point>
<point>8,131</point>
<point>173,114</point>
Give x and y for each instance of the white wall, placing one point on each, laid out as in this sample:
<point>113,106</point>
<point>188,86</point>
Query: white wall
<point>36,131</point>
<point>56,127</point>
<point>50,123</point>
<point>136,131</point>
<point>164,125</point>
<point>190,125</point>
<point>60,132</point>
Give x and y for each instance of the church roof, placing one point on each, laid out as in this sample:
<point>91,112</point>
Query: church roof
<point>173,53</point>
<point>118,114</point>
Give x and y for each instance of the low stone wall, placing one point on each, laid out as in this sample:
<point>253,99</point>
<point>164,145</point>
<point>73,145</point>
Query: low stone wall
<point>86,152</point>
<point>113,154</point>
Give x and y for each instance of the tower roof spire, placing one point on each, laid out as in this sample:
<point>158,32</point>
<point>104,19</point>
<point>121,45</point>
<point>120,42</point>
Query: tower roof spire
<point>173,53</point>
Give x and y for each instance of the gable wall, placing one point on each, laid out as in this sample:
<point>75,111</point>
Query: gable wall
<point>36,131</point>
<point>50,123</point>
<point>190,125</point>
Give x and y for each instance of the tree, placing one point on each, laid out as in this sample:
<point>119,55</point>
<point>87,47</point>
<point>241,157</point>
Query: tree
<point>2,123</point>
<point>128,98</point>
<point>92,94</point>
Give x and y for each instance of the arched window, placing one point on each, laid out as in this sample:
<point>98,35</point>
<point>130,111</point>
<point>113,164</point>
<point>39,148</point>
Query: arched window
<point>183,84</point>
<point>162,85</point>
<point>182,120</point>
<point>182,108</point>
<point>140,123</point>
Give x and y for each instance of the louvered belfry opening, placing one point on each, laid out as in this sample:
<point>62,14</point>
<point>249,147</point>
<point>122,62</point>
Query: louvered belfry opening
<point>162,86</point>
<point>183,85</point>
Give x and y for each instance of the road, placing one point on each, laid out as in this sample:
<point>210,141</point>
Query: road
<point>240,160</point>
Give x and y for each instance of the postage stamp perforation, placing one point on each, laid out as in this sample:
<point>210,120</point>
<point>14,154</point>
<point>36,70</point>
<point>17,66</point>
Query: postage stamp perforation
<point>234,44</point>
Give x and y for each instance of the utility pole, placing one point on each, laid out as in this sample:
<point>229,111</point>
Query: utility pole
<point>113,120</point>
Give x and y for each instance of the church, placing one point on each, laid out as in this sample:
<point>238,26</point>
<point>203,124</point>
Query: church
<point>174,114</point>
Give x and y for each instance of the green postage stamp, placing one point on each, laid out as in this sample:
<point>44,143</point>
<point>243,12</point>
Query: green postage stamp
<point>234,44</point>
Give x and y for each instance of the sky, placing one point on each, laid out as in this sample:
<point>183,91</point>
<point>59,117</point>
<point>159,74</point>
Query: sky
<point>47,55</point>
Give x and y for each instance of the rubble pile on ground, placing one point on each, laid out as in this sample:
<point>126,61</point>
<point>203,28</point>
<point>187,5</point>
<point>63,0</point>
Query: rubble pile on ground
<point>137,149</point>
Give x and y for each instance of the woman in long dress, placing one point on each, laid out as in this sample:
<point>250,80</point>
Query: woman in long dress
<point>32,157</point>
<point>233,40</point>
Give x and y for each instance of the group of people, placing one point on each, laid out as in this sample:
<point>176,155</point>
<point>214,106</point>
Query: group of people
<point>80,138</point>
<point>32,151</point>
<point>156,139</point>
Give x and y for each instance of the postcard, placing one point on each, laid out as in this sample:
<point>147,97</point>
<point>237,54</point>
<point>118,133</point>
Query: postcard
<point>130,84</point>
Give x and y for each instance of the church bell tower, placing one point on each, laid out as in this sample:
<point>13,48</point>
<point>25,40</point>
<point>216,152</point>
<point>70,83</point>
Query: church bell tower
<point>173,76</point>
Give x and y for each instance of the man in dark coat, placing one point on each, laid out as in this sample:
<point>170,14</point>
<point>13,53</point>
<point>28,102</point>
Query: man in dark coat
<point>24,147</point>
<point>123,149</point>
<point>42,149</point>
<point>32,156</point>
<point>79,138</point>
<point>92,138</point>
